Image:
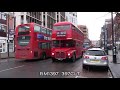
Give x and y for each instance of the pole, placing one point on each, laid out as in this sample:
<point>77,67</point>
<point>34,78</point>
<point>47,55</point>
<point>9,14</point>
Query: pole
<point>8,35</point>
<point>113,49</point>
<point>14,29</point>
<point>106,38</point>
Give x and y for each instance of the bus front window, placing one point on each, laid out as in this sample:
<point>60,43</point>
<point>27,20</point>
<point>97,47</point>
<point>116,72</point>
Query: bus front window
<point>61,27</point>
<point>64,43</point>
<point>23,28</point>
<point>23,40</point>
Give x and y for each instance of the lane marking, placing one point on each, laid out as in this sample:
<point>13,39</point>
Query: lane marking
<point>3,61</point>
<point>80,77</point>
<point>11,68</point>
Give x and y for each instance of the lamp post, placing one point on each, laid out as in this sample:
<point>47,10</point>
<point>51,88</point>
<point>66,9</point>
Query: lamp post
<point>8,34</point>
<point>14,28</point>
<point>106,38</point>
<point>113,41</point>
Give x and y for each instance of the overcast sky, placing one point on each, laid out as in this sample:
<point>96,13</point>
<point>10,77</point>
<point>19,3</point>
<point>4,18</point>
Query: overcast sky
<point>94,21</point>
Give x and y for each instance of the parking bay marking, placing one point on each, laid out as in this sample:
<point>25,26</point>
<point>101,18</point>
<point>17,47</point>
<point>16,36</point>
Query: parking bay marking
<point>11,68</point>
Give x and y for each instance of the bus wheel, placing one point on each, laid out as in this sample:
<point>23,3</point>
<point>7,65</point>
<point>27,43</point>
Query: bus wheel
<point>73,58</point>
<point>82,55</point>
<point>53,60</point>
<point>43,56</point>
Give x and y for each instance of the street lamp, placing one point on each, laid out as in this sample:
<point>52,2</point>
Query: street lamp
<point>106,38</point>
<point>113,41</point>
<point>8,34</point>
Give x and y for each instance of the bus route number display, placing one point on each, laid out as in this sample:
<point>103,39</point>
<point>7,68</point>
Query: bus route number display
<point>61,34</point>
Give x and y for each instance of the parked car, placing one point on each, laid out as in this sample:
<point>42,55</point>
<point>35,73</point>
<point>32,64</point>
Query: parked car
<point>95,57</point>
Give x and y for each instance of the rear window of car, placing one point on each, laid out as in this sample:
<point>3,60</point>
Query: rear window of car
<point>95,52</point>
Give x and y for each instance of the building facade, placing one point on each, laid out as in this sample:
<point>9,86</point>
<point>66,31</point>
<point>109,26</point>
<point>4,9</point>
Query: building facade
<point>71,17</point>
<point>46,19</point>
<point>84,29</point>
<point>6,23</point>
<point>106,32</point>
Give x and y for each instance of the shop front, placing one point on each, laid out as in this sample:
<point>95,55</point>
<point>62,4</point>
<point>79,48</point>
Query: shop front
<point>3,45</point>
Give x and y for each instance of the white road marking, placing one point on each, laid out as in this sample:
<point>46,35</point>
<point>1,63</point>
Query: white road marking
<point>3,61</point>
<point>11,68</point>
<point>80,77</point>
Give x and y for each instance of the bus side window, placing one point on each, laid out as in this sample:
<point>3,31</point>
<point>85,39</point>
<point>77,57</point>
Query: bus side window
<point>73,27</point>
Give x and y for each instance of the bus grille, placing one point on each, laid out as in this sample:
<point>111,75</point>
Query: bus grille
<point>60,55</point>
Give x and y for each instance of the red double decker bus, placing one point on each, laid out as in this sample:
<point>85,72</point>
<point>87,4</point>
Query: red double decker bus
<point>32,41</point>
<point>67,42</point>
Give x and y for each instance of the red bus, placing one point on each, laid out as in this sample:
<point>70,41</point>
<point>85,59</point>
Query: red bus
<point>32,41</point>
<point>67,42</point>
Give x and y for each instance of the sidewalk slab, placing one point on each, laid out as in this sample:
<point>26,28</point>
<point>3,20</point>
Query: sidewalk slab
<point>5,55</point>
<point>114,68</point>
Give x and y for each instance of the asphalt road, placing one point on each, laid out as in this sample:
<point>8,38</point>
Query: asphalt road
<point>11,68</point>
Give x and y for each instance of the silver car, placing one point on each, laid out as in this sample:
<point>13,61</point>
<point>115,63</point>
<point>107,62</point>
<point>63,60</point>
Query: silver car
<point>95,57</point>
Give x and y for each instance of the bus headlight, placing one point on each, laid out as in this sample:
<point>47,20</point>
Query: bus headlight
<point>68,54</point>
<point>31,51</point>
<point>53,53</point>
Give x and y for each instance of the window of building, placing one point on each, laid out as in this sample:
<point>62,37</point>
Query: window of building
<point>4,17</point>
<point>43,30</point>
<point>0,26</point>
<point>3,28</point>
<point>48,31</point>
<point>22,19</point>
<point>37,28</point>
<point>0,15</point>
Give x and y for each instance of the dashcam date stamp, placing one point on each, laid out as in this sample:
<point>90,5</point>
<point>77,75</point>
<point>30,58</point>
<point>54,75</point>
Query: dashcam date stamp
<point>70,73</point>
<point>59,73</point>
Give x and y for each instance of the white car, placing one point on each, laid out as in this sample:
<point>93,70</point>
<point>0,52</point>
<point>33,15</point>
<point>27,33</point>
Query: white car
<point>95,57</point>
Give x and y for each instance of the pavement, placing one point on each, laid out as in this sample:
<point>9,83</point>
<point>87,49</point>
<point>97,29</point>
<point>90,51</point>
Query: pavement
<point>5,55</point>
<point>114,67</point>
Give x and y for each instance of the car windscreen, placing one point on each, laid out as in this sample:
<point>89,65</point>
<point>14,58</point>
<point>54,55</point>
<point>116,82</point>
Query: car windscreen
<point>95,52</point>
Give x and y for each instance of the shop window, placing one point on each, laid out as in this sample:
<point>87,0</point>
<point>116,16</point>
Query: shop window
<point>4,17</point>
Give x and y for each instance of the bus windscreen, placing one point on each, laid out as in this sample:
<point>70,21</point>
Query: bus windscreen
<point>23,40</point>
<point>23,28</point>
<point>61,27</point>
